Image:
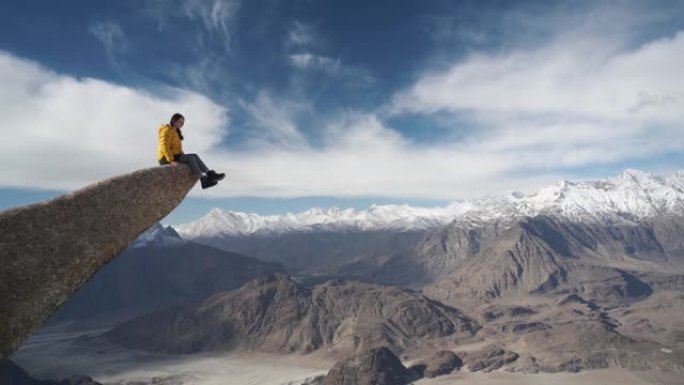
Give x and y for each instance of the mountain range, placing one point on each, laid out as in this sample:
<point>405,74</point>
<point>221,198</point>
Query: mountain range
<point>580,275</point>
<point>633,195</point>
<point>609,227</point>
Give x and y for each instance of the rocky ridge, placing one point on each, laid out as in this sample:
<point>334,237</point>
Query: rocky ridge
<point>544,255</point>
<point>632,196</point>
<point>376,366</point>
<point>275,314</point>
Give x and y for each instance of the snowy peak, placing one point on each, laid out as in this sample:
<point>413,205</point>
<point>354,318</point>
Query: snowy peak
<point>637,177</point>
<point>677,180</point>
<point>395,217</point>
<point>632,195</point>
<point>158,236</point>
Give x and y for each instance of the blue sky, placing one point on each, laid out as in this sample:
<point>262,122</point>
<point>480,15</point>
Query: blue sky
<point>346,103</point>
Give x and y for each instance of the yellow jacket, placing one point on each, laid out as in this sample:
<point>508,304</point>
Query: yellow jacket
<point>169,143</point>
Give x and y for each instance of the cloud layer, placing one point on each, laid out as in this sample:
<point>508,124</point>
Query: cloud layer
<point>580,79</point>
<point>61,132</point>
<point>517,118</point>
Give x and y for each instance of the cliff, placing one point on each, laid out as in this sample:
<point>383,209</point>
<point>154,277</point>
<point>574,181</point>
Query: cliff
<point>49,249</point>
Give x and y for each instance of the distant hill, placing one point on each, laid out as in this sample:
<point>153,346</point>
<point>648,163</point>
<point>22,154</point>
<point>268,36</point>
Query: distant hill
<point>159,270</point>
<point>275,314</point>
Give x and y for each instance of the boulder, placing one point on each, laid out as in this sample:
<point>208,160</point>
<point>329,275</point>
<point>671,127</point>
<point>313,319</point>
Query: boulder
<point>443,362</point>
<point>376,366</point>
<point>488,358</point>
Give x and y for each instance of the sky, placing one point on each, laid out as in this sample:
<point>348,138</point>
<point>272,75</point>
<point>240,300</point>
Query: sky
<point>307,103</point>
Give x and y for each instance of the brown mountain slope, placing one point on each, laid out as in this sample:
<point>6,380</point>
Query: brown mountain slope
<point>275,314</point>
<point>543,255</point>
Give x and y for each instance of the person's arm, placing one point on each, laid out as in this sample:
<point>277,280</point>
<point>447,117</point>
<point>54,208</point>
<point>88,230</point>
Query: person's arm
<point>165,143</point>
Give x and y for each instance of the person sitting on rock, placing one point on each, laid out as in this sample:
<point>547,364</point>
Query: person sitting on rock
<point>170,151</point>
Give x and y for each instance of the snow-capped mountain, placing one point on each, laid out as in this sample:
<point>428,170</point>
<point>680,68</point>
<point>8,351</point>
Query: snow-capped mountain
<point>631,196</point>
<point>158,236</point>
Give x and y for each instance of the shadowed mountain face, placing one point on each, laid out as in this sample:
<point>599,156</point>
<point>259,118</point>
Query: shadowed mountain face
<point>275,314</point>
<point>11,374</point>
<point>144,279</point>
<point>344,253</point>
<point>543,255</point>
<point>49,249</point>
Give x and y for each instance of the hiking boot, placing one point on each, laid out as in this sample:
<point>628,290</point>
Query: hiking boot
<point>207,182</point>
<point>213,175</point>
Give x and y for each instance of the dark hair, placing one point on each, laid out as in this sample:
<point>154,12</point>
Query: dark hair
<point>175,118</point>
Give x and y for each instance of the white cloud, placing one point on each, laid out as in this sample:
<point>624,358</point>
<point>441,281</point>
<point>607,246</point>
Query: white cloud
<point>218,16</point>
<point>112,37</point>
<point>577,102</point>
<point>61,132</point>
<point>216,19</point>
<point>204,74</point>
<point>331,67</point>
<point>308,60</point>
<point>584,98</point>
<point>301,43</point>
<point>302,34</point>
<point>581,80</point>
<point>361,157</point>
<point>273,122</point>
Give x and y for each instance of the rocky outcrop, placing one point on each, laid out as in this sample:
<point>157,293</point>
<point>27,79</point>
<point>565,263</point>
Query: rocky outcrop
<point>377,366</point>
<point>488,358</point>
<point>441,363</point>
<point>275,314</point>
<point>544,255</point>
<point>49,249</point>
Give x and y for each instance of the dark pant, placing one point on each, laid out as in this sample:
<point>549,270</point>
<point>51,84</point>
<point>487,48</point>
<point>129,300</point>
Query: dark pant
<point>193,160</point>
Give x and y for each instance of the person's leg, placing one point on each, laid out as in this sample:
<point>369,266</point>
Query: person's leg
<point>201,164</point>
<point>192,162</point>
<point>210,173</point>
<point>198,167</point>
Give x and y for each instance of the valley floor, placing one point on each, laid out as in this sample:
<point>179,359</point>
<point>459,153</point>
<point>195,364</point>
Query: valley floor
<point>55,355</point>
<point>590,377</point>
<point>52,354</point>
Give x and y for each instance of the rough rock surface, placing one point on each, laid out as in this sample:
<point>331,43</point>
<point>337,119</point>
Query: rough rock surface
<point>12,374</point>
<point>572,333</point>
<point>543,255</point>
<point>275,314</point>
<point>49,249</point>
<point>442,362</point>
<point>488,358</point>
<point>377,366</point>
